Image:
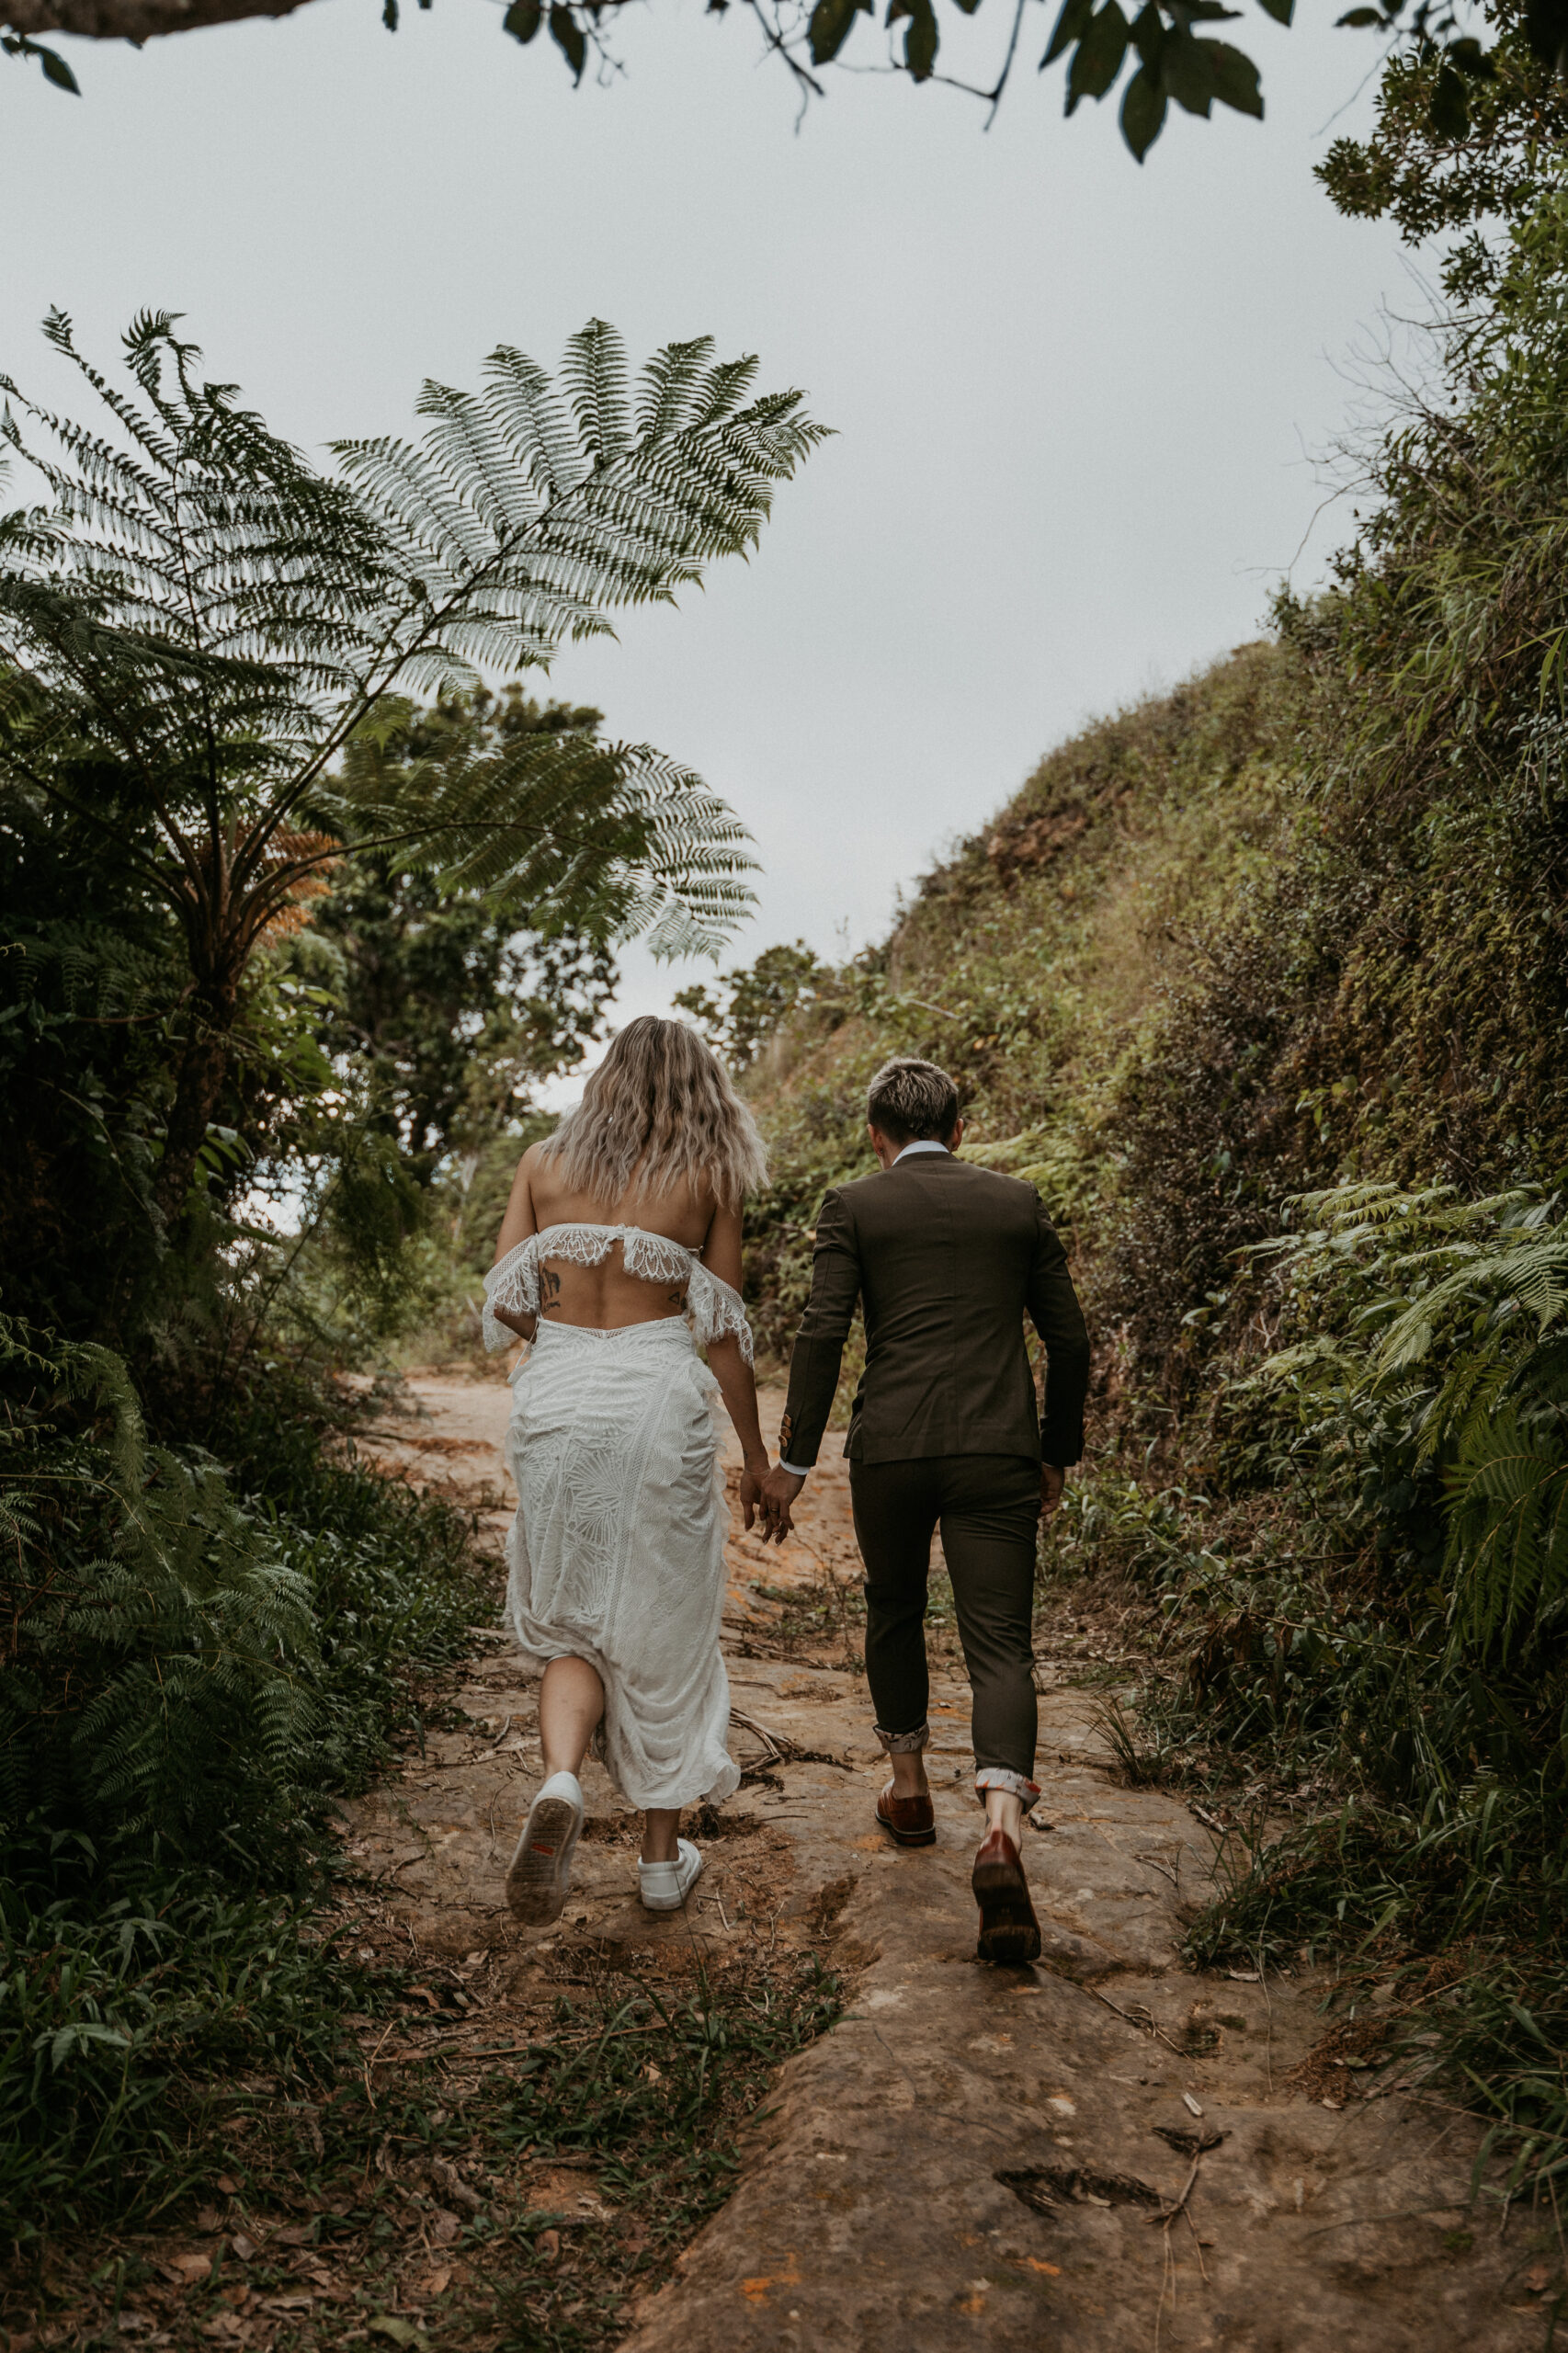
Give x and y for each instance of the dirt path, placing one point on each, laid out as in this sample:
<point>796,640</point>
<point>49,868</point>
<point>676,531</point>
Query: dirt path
<point>970,2155</point>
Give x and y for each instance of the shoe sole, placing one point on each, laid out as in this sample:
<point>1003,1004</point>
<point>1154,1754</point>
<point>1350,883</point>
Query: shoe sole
<point>1009,1933</point>
<point>540,1874</point>
<point>907,1837</point>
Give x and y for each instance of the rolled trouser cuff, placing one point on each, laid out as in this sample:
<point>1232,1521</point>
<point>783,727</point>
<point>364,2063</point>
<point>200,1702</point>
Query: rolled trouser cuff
<point>904,1744</point>
<point>1017,1785</point>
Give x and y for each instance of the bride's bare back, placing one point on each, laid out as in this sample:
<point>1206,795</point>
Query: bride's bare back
<point>605,1297</point>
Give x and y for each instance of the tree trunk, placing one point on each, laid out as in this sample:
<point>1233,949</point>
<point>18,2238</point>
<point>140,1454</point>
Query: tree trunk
<point>136,20</point>
<point>203,1067</point>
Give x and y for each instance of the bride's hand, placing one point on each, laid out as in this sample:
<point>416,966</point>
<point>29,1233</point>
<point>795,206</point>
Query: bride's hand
<point>752,1477</point>
<point>779,1490</point>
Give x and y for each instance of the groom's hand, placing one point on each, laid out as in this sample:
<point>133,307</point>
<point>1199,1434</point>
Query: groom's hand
<point>779,1490</point>
<point>1052,1478</point>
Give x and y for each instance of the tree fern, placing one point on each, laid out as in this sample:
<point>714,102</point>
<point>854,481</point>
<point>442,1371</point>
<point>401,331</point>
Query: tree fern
<point>1442,1344</point>
<point>200,630</point>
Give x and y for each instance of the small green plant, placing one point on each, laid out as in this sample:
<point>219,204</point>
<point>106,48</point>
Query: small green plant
<point>196,1661</point>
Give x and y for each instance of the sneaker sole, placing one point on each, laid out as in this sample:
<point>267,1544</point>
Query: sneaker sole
<point>1009,1933</point>
<point>540,1874</point>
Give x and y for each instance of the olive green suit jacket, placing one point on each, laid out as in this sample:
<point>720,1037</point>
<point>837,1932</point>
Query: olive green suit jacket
<point>948,1258</point>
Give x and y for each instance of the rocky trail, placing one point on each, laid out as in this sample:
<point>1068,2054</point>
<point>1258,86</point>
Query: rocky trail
<point>1105,2151</point>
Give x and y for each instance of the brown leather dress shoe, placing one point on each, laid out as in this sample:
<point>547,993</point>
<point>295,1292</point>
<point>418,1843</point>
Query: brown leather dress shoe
<point>1009,1933</point>
<point>911,1820</point>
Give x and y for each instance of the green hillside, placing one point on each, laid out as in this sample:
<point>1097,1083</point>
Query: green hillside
<point>1264,985</point>
<point>1038,961</point>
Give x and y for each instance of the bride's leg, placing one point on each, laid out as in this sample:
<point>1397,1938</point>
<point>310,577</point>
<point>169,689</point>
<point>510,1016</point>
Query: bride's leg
<point>661,1826</point>
<point>571,1701</point>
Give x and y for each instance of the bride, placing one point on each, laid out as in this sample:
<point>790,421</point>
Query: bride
<point>620,1227</point>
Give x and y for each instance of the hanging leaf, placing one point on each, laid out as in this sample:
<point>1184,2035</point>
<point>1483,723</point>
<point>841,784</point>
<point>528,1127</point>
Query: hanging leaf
<point>1449,110</point>
<point>829,30</point>
<point>1187,71</point>
<point>920,41</point>
<point>1280,10</point>
<point>55,70</point>
<point>1148,35</point>
<point>1143,112</point>
<point>1096,60</point>
<point>1469,56</point>
<point>1071,27</point>
<point>523,19</point>
<point>1236,79</point>
<point>569,38</point>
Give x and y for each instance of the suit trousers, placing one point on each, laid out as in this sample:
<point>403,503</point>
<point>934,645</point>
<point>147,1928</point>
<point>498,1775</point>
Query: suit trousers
<point>988,1508</point>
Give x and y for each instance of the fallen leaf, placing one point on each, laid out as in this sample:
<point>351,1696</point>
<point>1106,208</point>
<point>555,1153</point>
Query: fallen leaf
<point>241,2247</point>
<point>224,2325</point>
<point>425,1996</point>
<point>228,2184</point>
<point>434,2283</point>
<point>208,2219</point>
<point>548,2245</point>
<point>291,2303</point>
<point>1242,1976</point>
<point>1035,2263</point>
<point>1335,2104</point>
<point>401,2331</point>
<point>297,2234</point>
<point>185,2270</point>
<point>1536,2278</point>
<point>1190,2104</point>
<point>457,2189</point>
<point>444,2228</point>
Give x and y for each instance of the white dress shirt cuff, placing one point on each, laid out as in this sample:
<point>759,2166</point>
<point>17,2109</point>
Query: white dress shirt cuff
<point>796,1469</point>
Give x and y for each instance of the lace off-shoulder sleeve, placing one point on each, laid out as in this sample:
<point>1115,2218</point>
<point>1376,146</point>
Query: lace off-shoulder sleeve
<point>511,1284</point>
<point>718,1312</point>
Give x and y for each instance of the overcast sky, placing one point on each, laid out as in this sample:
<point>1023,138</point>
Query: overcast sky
<point>1076,401</point>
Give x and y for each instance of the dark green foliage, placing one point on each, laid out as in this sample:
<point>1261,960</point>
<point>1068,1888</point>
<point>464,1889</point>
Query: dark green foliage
<point>1460,168</point>
<point>1373,1604</point>
<point>195,1661</point>
<point>446,1012</point>
<point>129,2004</point>
<point>196,1657</point>
<point>90,979</point>
<point>206,648</point>
<point>156,1687</point>
<point>1391,999</point>
<point>746,1008</point>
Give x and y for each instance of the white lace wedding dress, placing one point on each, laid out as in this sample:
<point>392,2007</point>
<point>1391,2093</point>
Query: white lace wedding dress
<point>616,1554</point>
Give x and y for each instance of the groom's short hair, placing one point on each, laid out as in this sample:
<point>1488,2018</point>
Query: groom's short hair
<point>911,1101</point>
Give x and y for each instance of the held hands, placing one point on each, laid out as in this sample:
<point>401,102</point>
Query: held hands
<point>766,1495</point>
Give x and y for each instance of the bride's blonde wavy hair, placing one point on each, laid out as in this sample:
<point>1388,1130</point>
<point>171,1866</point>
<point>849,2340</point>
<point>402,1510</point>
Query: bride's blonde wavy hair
<point>660,1108</point>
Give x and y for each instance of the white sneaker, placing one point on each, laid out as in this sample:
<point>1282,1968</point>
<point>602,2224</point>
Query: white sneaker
<point>541,1870</point>
<point>665,1887</point>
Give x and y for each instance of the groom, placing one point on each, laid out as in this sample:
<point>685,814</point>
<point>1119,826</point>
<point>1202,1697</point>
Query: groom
<point>947,1258</point>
